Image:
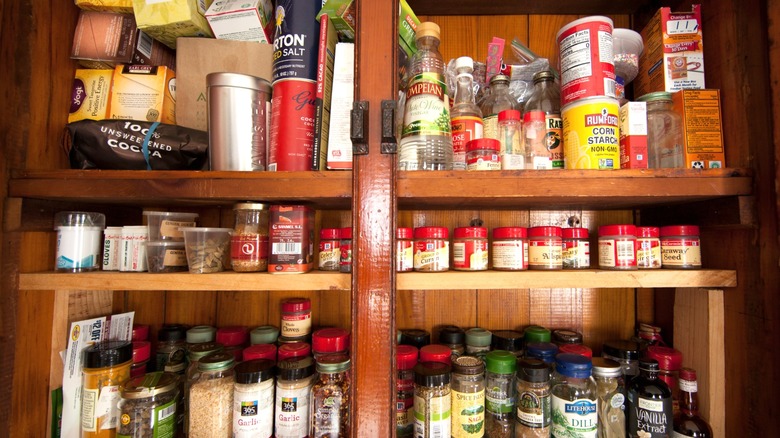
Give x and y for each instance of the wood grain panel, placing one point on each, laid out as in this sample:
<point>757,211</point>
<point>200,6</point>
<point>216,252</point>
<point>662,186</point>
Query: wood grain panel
<point>542,30</point>
<point>191,307</point>
<point>244,308</point>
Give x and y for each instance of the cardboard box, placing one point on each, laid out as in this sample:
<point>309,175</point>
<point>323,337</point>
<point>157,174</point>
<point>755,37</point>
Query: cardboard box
<point>339,142</point>
<point>197,57</point>
<point>701,126</point>
<point>90,94</point>
<point>242,20</point>
<point>291,239</point>
<point>142,92</point>
<point>168,20</point>
<point>121,6</point>
<point>104,39</point>
<point>633,135</point>
<point>342,14</point>
<point>673,57</point>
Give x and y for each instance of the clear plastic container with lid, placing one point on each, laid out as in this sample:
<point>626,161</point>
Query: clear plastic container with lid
<point>330,253</point>
<point>265,334</point>
<point>611,390</point>
<point>431,249</point>
<point>164,225</point>
<point>404,250</point>
<point>331,397</point>
<point>432,400</point>
<point>664,132</point>
<point>405,361</point>
<point>468,396</point>
<point>510,135</point>
<point>510,248</point>
<point>436,353</point>
<point>574,397</point>
<point>576,248</point>
<point>470,249</point>
<point>617,247</point>
<point>478,342</point>
<point>680,247</point>
<point>296,317</point>
<point>483,154</point>
<point>500,367</point>
<point>210,397</point>
<point>532,384</point>
<point>626,353</point>
<point>545,248</point>
<point>148,406</point>
<point>329,340</point>
<point>253,399</point>
<point>648,248</point>
<point>453,337</point>
<point>106,367</point>
<point>249,241</point>
<point>294,382</point>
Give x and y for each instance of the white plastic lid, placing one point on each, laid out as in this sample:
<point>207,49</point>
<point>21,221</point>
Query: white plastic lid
<point>171,213</point>
<point>464,62</point>
<point>627,41</point>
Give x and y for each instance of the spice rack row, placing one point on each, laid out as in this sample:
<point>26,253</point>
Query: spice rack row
<point>450,280</point>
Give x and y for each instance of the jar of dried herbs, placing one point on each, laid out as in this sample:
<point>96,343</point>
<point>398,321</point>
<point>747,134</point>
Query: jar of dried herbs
<point>148,406</point>
<point>249,241</point>
<point>330,397</point>
<point>468,397</point>
<point>611,398</point>
<point>211,397</point>
<point>532,383</point>
<point>573,403</point>
<point>432,400</point>
<point>500,394</point>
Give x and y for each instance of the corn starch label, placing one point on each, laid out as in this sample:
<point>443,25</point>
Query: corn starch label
<point>590,134</point>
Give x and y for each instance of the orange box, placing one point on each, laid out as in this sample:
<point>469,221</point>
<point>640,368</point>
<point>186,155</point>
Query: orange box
<point>633,135</point>
<point>290,239</point>
<point>702,130</point>
<point>143,92</point>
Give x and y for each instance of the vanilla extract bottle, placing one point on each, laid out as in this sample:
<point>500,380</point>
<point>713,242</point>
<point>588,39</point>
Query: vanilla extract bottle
<point>649,404</point>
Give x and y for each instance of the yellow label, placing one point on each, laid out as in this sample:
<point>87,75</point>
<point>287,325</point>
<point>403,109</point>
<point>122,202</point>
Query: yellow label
<point>468,414</point>
<point>591,137</point>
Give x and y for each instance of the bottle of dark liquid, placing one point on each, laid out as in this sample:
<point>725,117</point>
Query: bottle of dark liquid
<point>687,421</point>
<point>649,403</point>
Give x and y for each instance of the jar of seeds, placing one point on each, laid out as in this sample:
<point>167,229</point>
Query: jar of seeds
<point>432,400</point>
<point>249,241</point>
<point>148,406</point>
<point>211,397</point>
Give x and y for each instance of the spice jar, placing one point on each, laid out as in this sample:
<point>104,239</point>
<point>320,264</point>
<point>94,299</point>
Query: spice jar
<point>198,352</point>
<point>345,250</point>
<point>680,247</point>
<point>664,132</point>
<point>582,350</point>
<point>171,345</point>
<point>617,247</point>
<point>510,135</point>
<point>253,399</point>
<point>140,332</point>
<point>576,248</point>
<point>545,248</point>
<point>478,342</point>
<point>106,366</point>
<point>234,339</point>
<point>432,400</point>
<point>626,353</point>
<point>535,333</point>
<point>431,249</point>
<point>483,154</point>
<point>468,397</point>
<point>404,250</point>
<point>573,402</point>
<point>532,383</point>
<point>330,398</point>
<point>453,337</point>
<point>148,406</point>
<point>293,349</point>
<point>418,338</point>
<point>249,241</point>
<point>544,351</point>
<point>296,317</point>
<point>200,334</point>
<point>563,336</point>
<point>470,249</point>
<point>670,361</point>
<point>500,366</point>
<point>293,396</point>
<point>510,248</point>
<point>260,351</point>
<point>141,352</point>
<point>329,340</point>
<point>405,361</point>
<point>211,397</point>
<point>78,240</point>
<point>265,334</point>
<point>611,391</point>
<point>507,340</point>
<point>436,353</point>
<point>648,248</point>
<point>330,253</point>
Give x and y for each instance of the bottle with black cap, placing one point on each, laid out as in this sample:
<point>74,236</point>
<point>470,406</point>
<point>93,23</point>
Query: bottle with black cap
<point>253,399</point>
<point>508,340</point>
<point>415,337</point>
<point>293,395</point>
<point>649,403</point>
<point>532,381</point>
<point>453,337</point>
<point>106,367</point>
<point>171,345</point>
<point>432,400</point>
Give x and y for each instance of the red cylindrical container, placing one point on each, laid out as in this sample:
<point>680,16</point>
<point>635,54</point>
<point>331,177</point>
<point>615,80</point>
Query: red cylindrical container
<point>260,351</point>
<point>648,248</point>
<point>680,247</point>
<point>345,248</point>
<point>582,350</point>
<point>617,247</point>
<point>431,249</point>
<point>330,254</point>
<point>587,67</point>
<point>232,336</point>
<point>436,353</point>
<point>329,340</point>
<point>470,249</point>
<point>545,248</point>
<point>510,248</point>
<point>295,349</point>
<point>670,361</point>
<point>141,352</point>
<point>576,248</point>
<point>296,317</point>
<point>404,250</point>
<point>140,332</point>
<point>482,154</point>
<point>405,360</point>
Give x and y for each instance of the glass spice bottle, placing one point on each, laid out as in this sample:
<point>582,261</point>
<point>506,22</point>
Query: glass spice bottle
<point>535,333</point>
<point>432,400</point>
<point>611,390</point>
<point>329,340</point>
<point>195,354</point>
<point>234,339</point>
<point>295,318</point>
<point>582,350</point>
<point>253,399</point>
<point>498,100</point>
<point>468,397</point>
<point>259,351</point>
<point>626,353</point>
<point>478,342</point>
<point>564,336</point>
<point>510,134</point>
<point>648,248</point>
<point>455,338</point>
<point>329,254</point>
<point>141,352</point>
<point>211,397</point>
<point>199,334</point>
<point>507,340</point>
<point>106,367</point>
<point>573,404</point>
<point>405,361</point>
<point>265,334</point>
<point>669,363</point>
<point>404,250</point>
<point>500,367</point>
<point>293,397</point>
<point>544,351</point>
<point>664,132</point>
<point>542,124</point>
<point>532,384</point>
<point>687,422</point>
<point>148,406</point>
<point>576,248</point>
<point>465,115</point>
<point>330,398</point>
<point>649,403</point>
<point>249,241</point>
<point>436,353</point>
<point>171,345</point>
<point>345,250</point>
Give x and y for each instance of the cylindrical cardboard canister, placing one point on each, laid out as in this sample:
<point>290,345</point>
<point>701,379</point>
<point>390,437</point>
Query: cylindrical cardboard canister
<point>238,120</point>
<point>587,65</point>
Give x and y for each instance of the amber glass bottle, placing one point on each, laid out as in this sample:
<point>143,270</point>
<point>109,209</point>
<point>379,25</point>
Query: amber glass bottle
<point>687,422</point>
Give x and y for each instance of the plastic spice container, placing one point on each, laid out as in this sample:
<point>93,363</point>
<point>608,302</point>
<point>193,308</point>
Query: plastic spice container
<point>535,333</point>
<point>112,242</point>
<point>249,241</point>
<point>330,397</point>
<point>507,340</point>
<point>164,225</point>
<point>345,250</point>
<point>329,254</point>
<point>211,397</point>
<point>611,390</point>
<point>148,406</point>
<point>292,350</point>
<point>563,336</point>
<point>296,317</point>
<point>545,248</point>
<point>171,345</point>
<point>478,342</point>
<point>200,334</point>
<point>532,384</point>
<point>576,248</point>
<point>166,257</point>
<point>468,397</point>
<point>573,405</point>
<point>470,249</point>
<point>260,351</point>
<point>500,366</point>
<point>453,337</point>
<point>140,332</point>
<point>431,249</point>
<point>329,340</point>
<point>418,338</point>
<point>133,244</point>
<point>141,353</point>
<point>582,350</point>
<point>617,247</point>
<point>483,154</point>
<point>106,366</point>
<point>404,250</point>
<point>432,400</point>
<point>648,248</point>
<point>436,353</point>
<point>253,399</point>
<point>293,393</point>
<point>79,239</point>
<point>234,339</point>
<point>510,248</point>
<point>680,247</point>
<point>669,361</point>
<point>405,360</point>
<point>544,351</point>
<point>626,353</point>
<point>265,334</point>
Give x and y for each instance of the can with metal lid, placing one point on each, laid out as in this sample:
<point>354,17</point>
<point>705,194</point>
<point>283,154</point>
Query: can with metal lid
<point>591,138</point>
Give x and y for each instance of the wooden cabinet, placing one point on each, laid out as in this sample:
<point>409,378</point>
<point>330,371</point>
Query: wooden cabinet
<point>737,208</point>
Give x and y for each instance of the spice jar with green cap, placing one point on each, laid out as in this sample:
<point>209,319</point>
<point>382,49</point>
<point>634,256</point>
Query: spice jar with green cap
<point>478,342</point>
<point>265,334</point>
<point>211,397</point>
<point>536,333</point>
<point>200,334</point>
<point>500,393</point>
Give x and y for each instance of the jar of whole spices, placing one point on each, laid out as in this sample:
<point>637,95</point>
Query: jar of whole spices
<point>330,398</point>
<point>404,250</point>
<point>211,397</point>
<point>478,342</point>
<point>148,406</point>
<point>648,248</point>
<point>330,253</point>
<point>500,367</point>
<point>106,367</point>
<point>680,247</point>
<point>345,250</point>
<point>249,241</point>
<point>573,402</point>
<point>196,353</point>
<point>171,345</point>
<point>617,247</point>
<point>468,397</point>
<point>611,390</point>
<point>431,249</point>
<point>253,399</point>
<point>432,400</point>
<point>405,360</point>
<point>293,397</point>
<point>453,337</point>
<point>532,384</point>
<point>510,248</point>
<point>576,248</point>
<point>470,249</point>
<point>295,317</point>
<point>545,248</point>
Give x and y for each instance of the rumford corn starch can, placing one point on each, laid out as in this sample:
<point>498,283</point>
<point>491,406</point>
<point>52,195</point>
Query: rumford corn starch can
<point>590,134</point>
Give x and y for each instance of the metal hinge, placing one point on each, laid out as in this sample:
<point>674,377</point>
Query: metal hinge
<point>358,132</point>
<point>389,142</point>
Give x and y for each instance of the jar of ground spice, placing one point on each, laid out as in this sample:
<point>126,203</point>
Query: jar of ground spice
<point>432,400</point>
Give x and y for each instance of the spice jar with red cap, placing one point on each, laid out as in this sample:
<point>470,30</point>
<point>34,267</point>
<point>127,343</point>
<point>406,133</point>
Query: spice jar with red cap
<point>296,318</point>
<point>510,248</point>
<point>576,248</point>
<point>404,250</point>
<point>436,353</point>
<point>617,247</point>
<point>330,253</point>
<point>234,338</point>
<point>141,353</point>
<point>680,247</point>
<point>431,249</point>
<point>140,332</point>
<point>582,350</point>
<point>293,350</point>
<point>405,360</point>
<point>648,248</point>
<point>345,250</point>
<point>669,363</point>
<point>260,351</point>
<point>329,340</point>
<point>470,249</point>
<point>545,248</point>
<point>483,154</point>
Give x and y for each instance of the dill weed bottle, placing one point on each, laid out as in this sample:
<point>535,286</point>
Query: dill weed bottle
<point>426,138</point>
<point>574,396</point>
<point>466,117</point>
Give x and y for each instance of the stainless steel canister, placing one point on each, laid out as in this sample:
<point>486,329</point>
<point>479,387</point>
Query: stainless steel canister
<point>239,108</point>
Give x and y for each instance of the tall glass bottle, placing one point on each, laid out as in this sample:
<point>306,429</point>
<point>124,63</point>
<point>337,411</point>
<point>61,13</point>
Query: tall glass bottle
<point>426,138</point>
<point>649,403</point>
<point>498,100</point>
<point>465,115</point>
<point>542,124</point>
<point>687,422</point>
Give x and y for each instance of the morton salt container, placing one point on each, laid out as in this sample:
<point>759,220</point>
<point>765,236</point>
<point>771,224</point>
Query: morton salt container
<point>238,121</point>
<point>587,65</point>
<point>294,85</point>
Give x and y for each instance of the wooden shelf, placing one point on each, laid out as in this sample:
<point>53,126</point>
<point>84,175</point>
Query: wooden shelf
<point>229,281</point>
<point>517,7</point>
<point>323,190</point>
<point>562,189</point>
<point>567,279</point>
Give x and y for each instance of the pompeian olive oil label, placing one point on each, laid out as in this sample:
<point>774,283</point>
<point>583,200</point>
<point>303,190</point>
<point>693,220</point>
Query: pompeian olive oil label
<point>427,106</point>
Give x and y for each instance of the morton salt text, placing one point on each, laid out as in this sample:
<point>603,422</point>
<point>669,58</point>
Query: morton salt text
<point>289,45</point>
